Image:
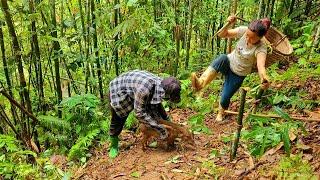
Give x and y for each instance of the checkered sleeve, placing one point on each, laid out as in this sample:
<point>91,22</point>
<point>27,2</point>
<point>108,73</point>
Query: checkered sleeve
<point>142,113</point>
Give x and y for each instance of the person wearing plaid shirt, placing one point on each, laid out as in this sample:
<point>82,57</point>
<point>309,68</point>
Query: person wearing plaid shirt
<point>141,92</point>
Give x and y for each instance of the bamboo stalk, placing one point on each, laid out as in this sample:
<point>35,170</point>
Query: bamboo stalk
<point>239,122</point>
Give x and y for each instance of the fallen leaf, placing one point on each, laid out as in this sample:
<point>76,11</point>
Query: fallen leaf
<point>177,170</point>
<point>198,171</point>
<point>239,172</point>
<point>302,146</point>
<point>315,114</point>
<point>292,136</point>
<point>307,157</point>
<point>271,151</point>
<point>250,160</point>
<point>164,177</point>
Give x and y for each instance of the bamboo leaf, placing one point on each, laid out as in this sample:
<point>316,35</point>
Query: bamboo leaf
<point>263,145</point>
<point>281,113</point>
<point>286,139</point>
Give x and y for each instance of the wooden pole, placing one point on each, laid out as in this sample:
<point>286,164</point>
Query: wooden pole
<point>276,116</point>
<point>239,122</point>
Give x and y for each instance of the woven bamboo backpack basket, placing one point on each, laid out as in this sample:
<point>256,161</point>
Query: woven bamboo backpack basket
<point>279,47</point>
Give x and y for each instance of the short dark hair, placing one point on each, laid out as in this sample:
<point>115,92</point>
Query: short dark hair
<point>172,88</point>
<point>260,27</point>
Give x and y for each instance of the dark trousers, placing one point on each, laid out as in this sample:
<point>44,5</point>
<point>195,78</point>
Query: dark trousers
<point>116,124</point>
<point>232,81</point>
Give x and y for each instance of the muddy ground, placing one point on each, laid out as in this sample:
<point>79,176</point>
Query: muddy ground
<point>157,163</point>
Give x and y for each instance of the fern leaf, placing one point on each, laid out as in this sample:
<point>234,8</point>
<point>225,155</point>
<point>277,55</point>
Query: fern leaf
<point>8,142</point>
<point>82,144</point>
<point>54,122</point>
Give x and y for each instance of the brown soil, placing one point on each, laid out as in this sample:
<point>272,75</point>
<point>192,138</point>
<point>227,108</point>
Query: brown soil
<point>156,163</point>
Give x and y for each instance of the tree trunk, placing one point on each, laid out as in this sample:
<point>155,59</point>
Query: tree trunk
<point>308,7</point>
<point>36,51</point>
<point>95,45</point>
<point>185,24</point>
<point>17,53</point>
<point>56,52</point>
<point>261,9</point>
<point>177,37</point>
<point>214,30</point>
<point>191,14</point>
<point>87,47</point>
<point>219,39</point>
<point>266,11</point>
<point>234,11</point>
<point>115,51</point>
<point>154,2</point>
<point>272,8</point>
<point>6,73</point>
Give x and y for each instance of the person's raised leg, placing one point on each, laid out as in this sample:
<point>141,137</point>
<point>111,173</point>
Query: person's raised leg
<point>220,64</point>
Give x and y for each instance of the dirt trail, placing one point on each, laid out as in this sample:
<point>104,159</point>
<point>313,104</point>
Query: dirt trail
<point>156,163</point>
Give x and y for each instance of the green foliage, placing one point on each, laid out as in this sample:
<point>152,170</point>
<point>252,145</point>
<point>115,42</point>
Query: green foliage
<point>286,139</point>
<point>212,169</point>
<point>197,124</point>
<point>81,124</point>
<point>8,142</point>
<point>14,162</point>
<point>52,122</point>
<point>131,121</point>
<point>190,100</point>
<point>82,144</point>
<point>267,133</point>
<point>261,138</point>
<point>282,114</point>
<point>294,167</point>
<point>136,174</point>
<point>147,40</point>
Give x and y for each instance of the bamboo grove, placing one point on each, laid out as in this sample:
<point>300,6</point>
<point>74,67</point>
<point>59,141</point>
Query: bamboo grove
<point>52,49</point>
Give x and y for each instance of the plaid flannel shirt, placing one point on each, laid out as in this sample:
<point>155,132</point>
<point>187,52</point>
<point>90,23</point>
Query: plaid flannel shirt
<point>142,92</point>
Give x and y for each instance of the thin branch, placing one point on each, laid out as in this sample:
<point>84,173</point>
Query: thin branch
<point>6,119</point>
<point>15,103</point>
<point>276,116</point>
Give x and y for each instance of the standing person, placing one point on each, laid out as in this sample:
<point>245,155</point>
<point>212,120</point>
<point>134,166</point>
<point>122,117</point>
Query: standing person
<point>249,51</point>
<point>142,92</point>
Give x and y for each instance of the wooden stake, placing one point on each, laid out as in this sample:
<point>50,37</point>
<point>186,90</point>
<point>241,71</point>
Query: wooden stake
<point>239,122</point>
